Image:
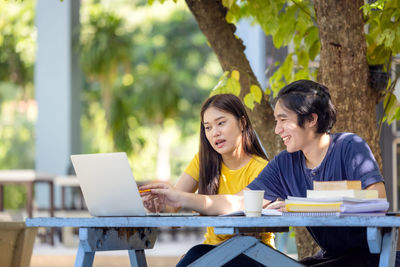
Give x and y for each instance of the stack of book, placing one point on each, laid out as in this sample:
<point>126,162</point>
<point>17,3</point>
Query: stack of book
<point>337,198</point>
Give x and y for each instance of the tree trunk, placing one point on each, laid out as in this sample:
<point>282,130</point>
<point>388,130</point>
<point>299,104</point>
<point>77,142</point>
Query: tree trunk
<point>210,16</point>
<point>344,69</point>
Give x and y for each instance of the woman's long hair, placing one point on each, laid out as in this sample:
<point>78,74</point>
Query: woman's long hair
<point>211,160</point>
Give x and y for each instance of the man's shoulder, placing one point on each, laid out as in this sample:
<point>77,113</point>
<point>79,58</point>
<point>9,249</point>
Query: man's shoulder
<point>285,157</point>
<point>346,138</point>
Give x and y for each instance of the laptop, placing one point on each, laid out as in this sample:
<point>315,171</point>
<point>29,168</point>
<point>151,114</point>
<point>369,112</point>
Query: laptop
<point>108,186</point>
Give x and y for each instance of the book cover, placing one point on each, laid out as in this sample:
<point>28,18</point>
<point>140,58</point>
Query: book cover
<point>362,194</point>
<point>313,207</point>
<point>337,204</point>
<point>337,185</point>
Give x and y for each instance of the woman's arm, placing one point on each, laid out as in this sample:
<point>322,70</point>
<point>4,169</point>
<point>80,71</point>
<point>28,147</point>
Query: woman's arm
<point>186,183</point>
<point>204,204</point>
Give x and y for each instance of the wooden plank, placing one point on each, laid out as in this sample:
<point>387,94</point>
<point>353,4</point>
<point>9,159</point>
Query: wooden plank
<point>269,256</point>
<point>84,258</point>
<point>217,221</point>
<point>374,238</point>
<point>389,244</point>
<point>105,239</point>
<point>137,258</point>
<point>226,251</point>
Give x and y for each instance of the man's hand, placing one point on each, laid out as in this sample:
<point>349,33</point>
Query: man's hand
<point>278,204</point>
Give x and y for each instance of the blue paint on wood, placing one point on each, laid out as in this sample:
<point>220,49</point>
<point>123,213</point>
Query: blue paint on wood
<point>389,244</point>
<point>84,258</point>
<point>374,237</point>
<point>94,238</point>
<point>216,221</point>
<point>137,258</point>
<point>226,251</point>
<point>265,254</point>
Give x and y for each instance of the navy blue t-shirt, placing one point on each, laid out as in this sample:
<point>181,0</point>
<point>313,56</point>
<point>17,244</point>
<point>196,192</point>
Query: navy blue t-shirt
<point>348,158</point>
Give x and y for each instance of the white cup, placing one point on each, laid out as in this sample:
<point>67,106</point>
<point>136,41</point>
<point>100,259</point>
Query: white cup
<point>253,201</point>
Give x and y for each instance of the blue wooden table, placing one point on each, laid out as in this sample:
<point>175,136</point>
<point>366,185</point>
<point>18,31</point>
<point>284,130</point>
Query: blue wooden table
<point>136,234</point>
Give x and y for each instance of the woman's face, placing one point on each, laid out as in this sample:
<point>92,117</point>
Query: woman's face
<point>223,131</point>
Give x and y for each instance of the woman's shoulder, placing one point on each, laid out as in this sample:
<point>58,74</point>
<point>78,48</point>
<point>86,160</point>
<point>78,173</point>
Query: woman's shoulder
<point>257,160</point>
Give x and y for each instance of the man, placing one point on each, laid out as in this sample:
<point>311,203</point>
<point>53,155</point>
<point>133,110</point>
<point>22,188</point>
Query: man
<point>304,116</point>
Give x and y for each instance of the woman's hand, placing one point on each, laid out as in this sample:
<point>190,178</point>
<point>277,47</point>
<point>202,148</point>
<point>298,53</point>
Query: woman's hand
<point>152,202</point>
<point>159,196</point>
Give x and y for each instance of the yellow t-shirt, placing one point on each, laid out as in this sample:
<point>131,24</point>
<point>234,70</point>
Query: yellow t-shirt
<point>231,182</point>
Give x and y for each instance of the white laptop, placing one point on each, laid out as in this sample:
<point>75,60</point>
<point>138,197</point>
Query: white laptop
<point>108,186</point>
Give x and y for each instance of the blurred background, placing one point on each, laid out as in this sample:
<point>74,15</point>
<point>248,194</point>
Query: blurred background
<point>101,76</point>
<point>145,71</point>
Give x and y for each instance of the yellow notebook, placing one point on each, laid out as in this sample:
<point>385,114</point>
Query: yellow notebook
<point>313,207</point>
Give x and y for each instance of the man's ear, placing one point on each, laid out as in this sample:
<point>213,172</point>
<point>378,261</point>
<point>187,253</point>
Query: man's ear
<point>313,120</point>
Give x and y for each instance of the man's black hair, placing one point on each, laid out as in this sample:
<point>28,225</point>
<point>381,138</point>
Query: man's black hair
<point>306,97</point>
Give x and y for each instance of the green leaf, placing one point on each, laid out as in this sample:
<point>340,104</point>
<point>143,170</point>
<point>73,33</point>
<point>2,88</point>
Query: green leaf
<point>233,86</point>
<point>233,14</point>
<point>221,84</point>
<point>314,50</point>
<point>389,104</point>
<point>249,101</point>
<point>302,58</point>
<point>268,91</point>
<point>311,37</point>
<point>256,92</point>
<point>302,74</point>
<point>236,75</point>
<point>228,3</point>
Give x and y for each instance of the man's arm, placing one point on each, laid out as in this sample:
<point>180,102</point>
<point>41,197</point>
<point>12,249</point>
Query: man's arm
<point>380,186</point>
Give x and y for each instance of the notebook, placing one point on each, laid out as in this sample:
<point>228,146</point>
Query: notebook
<point>108,186</point>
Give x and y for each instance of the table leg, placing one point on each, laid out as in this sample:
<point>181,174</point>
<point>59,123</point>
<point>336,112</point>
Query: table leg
<point>51,193</point>
<point>62,197</point>
<point>137,258</point>
<point>51,210</point>
<point>84,258</point>
<point>1,197</point>
<point>265,254</point>
<point>374,238</point>
<point>29,198</point>
<point>389,244</point>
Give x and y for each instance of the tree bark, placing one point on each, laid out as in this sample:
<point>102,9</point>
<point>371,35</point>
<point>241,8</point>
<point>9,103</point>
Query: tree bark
<point>344,69</point>
<point>210,16</point>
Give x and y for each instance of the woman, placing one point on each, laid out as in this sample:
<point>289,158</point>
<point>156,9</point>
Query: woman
<point>229,158</point>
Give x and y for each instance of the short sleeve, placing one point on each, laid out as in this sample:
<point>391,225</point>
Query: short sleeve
<point>269,181</point>
<point>360,162</point>
<point>193,168</point>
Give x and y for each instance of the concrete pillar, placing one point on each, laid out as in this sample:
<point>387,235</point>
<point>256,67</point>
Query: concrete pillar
<point>57,87</point>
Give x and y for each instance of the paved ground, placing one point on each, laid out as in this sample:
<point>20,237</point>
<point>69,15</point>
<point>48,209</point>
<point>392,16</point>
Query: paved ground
<point>166,252</point>
<point>99,261</point>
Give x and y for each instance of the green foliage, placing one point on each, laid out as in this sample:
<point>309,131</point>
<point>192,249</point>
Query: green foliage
<point>103,31</point>
<point>383,36</point>
<point>227,84</point>
<point>17,111</point>
<point>158,86</point>
<point>255,95</point>
<point>383,41</point>
<point>287,22</point>
<point>17,44</point>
